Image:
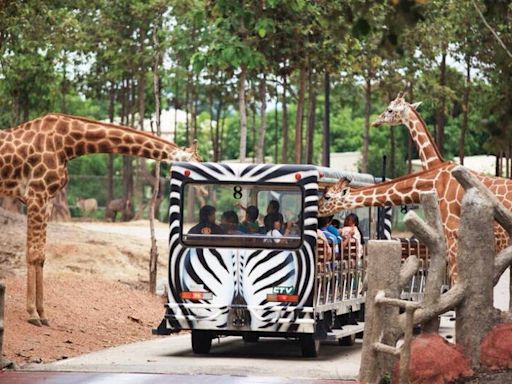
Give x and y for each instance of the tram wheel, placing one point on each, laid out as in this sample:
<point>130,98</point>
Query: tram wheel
<point>347,341</point>
<point>309,345</point>
<point>201,342</point>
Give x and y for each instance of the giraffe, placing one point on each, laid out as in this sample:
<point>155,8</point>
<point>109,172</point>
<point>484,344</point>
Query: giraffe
<point>33,159</point>
<point>447,188</point>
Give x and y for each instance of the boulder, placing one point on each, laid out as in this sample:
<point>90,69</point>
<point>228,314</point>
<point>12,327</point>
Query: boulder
<point>496,347</point>
<point>435,361</point>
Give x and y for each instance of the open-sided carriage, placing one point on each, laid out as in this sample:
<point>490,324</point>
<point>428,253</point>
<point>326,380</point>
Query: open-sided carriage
<point>250,283</point>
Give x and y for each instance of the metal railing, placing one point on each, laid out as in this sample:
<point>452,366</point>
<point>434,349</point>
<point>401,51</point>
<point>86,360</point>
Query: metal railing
<point>340,274</point>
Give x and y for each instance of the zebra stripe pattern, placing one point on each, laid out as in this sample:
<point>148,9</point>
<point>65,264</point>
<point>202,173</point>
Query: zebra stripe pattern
<point>240,279</point>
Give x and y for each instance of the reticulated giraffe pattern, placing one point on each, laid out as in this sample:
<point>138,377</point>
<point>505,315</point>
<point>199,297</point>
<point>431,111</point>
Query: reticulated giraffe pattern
<point>406,189</point>
<point>33,159</point>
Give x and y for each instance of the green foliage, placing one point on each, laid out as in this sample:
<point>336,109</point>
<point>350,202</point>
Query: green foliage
<point>77,57</point>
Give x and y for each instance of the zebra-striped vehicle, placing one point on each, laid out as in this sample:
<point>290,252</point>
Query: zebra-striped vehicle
<point>239,266</point>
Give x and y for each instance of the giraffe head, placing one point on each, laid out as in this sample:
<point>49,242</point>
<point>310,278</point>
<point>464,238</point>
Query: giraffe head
<point>333,198</point>
<point>396,112</point>
<point>187,154</point>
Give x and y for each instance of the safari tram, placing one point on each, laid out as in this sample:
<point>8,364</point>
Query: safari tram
<point>246,259</point>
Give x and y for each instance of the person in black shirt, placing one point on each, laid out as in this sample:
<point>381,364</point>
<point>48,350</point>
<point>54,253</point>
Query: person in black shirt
<point>206,225</point>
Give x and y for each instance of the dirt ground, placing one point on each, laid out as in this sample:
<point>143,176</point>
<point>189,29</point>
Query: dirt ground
<point>96,277</point>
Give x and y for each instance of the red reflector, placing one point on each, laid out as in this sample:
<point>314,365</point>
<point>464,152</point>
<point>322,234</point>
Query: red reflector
<point>298,176</point>
<point>283,298</point>
<point>190,295</point>
<point>187,172</point>
<point>322,174</point>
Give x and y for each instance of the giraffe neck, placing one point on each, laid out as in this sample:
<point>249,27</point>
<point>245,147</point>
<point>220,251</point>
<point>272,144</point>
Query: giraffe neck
<point>399,191</point>
<point>427,149</point>
<point>76,136</point>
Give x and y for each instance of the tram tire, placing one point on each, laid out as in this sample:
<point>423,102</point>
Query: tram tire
<point>250,338</point>
<point>310,346</point>
<point>347,341</point>
<point>201,342</point>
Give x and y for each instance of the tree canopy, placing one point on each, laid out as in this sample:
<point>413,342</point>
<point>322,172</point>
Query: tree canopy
<point>250,74</point>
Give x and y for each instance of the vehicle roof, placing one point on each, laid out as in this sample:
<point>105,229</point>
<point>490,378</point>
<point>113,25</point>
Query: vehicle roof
<point>326,175</point>
<point>330,175</point>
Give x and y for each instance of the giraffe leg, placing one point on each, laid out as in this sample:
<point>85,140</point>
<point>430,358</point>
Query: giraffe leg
<point>33,317</point>
<point>37,219</point>
<point>40,294</point>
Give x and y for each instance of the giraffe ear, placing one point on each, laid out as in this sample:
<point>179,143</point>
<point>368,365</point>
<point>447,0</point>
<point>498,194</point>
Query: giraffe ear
<point>416,105</point>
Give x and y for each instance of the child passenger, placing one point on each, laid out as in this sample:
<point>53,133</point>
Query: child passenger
<point>273,226</point>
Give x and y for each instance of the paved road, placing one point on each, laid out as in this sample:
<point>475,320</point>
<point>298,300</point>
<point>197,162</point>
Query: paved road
<point>229,356</point>
<point>143,378</point>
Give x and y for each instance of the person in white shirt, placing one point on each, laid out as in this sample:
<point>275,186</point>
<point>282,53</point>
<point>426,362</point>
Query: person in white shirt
<point>273,224</point>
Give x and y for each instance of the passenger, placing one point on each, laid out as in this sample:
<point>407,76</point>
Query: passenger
<point>336,223</point>
<point>250,225</point>
<point>206,225</point>
<point>273,207</point>
<point>229,223</point>
<point>295,229</point>
<point>274,226</point>
<point>351,232</point>
<point>328,247</point>
<point>323,223</point>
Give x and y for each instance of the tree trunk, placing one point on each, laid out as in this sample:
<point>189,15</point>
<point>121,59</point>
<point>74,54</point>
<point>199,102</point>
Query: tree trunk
<point>465,109</point>
<point>141,162</point>
<point>276,131</point>
<point>310,137</point>
<point>63,86</point>
<point>153,256</point>
<point>284,155</point>
<point>127,161</point>
<point>326,133</point>
<point>218,137</point>
<point>187,110</point>
<point>195,100</point>
<point>299,117</point>
<point>15,119</point>
<point>223,140</point>
<point>176,109</point>
<point>410,144</point>
<point>110,157</point>
<point>243,114</point>
<point>253,129</point>
<point>367,111</point>
<point>440,112</point>
<point>260,154</point>
<point>497,165</point>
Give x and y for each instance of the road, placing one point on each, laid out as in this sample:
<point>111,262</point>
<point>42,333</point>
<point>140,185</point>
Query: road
<point>229,356</point>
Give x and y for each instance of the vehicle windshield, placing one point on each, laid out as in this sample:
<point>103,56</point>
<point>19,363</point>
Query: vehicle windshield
<point>242,215</point>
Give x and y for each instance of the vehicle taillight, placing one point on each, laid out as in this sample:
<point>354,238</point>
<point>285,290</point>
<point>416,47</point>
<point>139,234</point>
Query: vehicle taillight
<point>283,298</point>
<point>195,295</point>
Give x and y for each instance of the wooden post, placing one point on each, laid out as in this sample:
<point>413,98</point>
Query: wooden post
<point>380,321</point>
<point>2,301</point>
<point>436,244</point>
<point>476,255</point>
